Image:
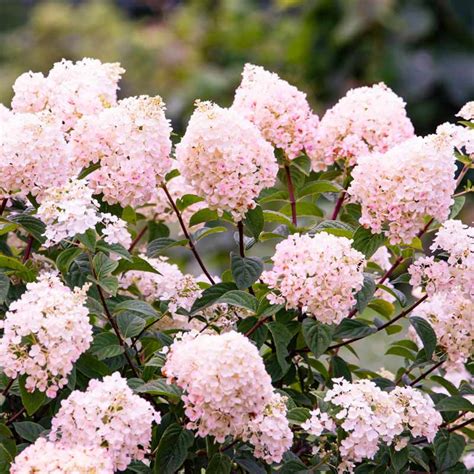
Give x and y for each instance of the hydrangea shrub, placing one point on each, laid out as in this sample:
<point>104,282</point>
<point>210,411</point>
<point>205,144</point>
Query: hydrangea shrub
<point>115,357</point>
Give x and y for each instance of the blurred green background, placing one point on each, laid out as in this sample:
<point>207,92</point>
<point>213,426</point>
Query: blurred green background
<point>184,50</point>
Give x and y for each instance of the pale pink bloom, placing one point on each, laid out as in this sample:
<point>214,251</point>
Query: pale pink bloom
<point>115,230</point>
<point>44,457</point>
<point>108,414</point>
<point>401,187</point>
<point>365,120</point>
<point>318,423</point>
<point>225,159</point>
<point>318,274</point>
<point>467,111</point>
<point>45,332</point>
<point>279,110</point>
<point>132,144</point>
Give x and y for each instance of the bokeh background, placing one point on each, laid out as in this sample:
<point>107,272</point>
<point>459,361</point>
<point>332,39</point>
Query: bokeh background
<point>183,50</point>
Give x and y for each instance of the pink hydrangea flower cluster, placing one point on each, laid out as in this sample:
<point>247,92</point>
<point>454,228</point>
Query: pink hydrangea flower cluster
<point>457,272</point>
<point>450,315</point>
<point>132,143</point>
<point>69,91</point>
<point>115,230</point>
<point>370,416</point>
<point>49,458</point>
<point>45,332</point>
<point>160,208</point>
<point>225,159</point>
<point>365,120</point>
<point>108,414</point>
<point>467,111</point>
<point>228,391</point>
<point>318,274</point>
<point>399,188</point>
<point>279,110</point>
<point>33,154</point>
<point>461,137</point>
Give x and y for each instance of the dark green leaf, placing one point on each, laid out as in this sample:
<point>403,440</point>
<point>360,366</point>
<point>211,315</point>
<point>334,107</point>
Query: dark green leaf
<point>28,430</point>
<point>187,200</point>
<point>365,294</point>
<point>136,306</point>
<point>66,257</point>
<point>129,215</point>
<point>129,324</point>
<point>281,337</point>
<point>340,368</point>
<point>219,464</point>
<point>298,415</point>
<point>245,270</point>
<point>206,231</point>
<point>448,449</point>
<point>317,336</point>
<point>255,221</point>
<point>31,224</point>
<point>5,459</point>
<point>103,265</point>
<point>303,209</point>
<point>399,459</point>
<point>160,387</point>
<point>338,228</point>
<point>457,206</point>
<point>455,403</point>
<point>366,242</point>
<point>211,295</point>
<point>203,215</point>
<point>425,333</point>
<point>137,263</point>
<point>4,287</point>
<point>89,239</point>
<point>32,401</point>
<point>114,248</point>
<point>172,449</point>
<point>319,187</point>
<point>350,328</point>
<point>106,345</point>
<point>157,246</point>
<point>240,299</point>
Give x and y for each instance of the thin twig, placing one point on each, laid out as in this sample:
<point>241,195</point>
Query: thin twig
<point>259,323</point>
<point>339,204</point>
<point>3,205</point>
<point>291,192</point>
<point>29,246</point>
<point>137,238</point>
<point>15,416</point>
<point>427,372</point>
<point>186,234</point>
<point>240,228</point>
<point>7,388</point>
<point>225,448</point>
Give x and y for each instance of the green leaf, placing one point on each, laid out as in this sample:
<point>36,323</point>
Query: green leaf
<point>425,333</point>
<point>350,328</point>
<point>448,448</point>
<point>129,215</point>
<point>455,403</point>
<point>240,299</point>
<point>5,459</point>
<point>457,206</point>
<point>89,239</point>
<point>303,163</point>
<point>66,257</point>
<point>172,174</point>
<point>245,270</point>
<point>274,216</point>
<point>319,187</point>
<point>32,401</point>
<point>219,464</point>
<point>129,324</point>
<point>4,287</point>
<point>21,270</point>
<point>203,215</point>
<point>340,368</point>
<point>399,459</point>
<point>136,306</point>
<point>28,430</point>
<point>303,209</point>
<point>107,283</point>
<point>137,263</point>
<point>298,415</point>
<point>254,220</point>
<point>187,200</point>
<point>103,265</point>
<point>114,248</point>
<point>366,242</point>
<point>91,367</point>
<point>417,456</point>
<point>382,307</point>
<point>206,231</point>
<point>159,387</point>
<point>88,170</point>
<point>157,246</point>
<point>317,336</point>
<point>106,345</point>
<point>211,295</point>
<point>338,228</point>
<point>31,224</point>
<point>172,449</point>
<point>281,337</point>
<point>365,294</point>
<point>401,352</point>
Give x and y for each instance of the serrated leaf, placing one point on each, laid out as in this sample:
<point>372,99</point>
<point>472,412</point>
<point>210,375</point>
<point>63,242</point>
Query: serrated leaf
<point>425,333</point>
<point>66,257</point>
<point>455,403</point>
<point>137,263</point>
<point>28,430</point>
<point>298,415</point>
<point>114,248</point>
<point>136,306</point>
<point>366,242</point>
<point>203,215</point>
<point>245,270</point>
<point>254,221</point>
<point>32,401</point>
<point>317,336</point>
<point>31,224</point>
<point>211,295</point>
<point>366,293</point>
<point>172,449</point>
<point>129,324</point>
<point>103,265</point>
<point>89,239</point>
<point>338,228</point>
<point>240,299</point>
<point>219,464</point>
<point>106,345</point>
<point>448,449</point>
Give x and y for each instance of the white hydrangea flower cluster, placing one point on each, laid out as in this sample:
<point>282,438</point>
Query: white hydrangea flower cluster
<point>132,143</point>
<point>318,274</point>
<point>225,159</point>
<point>45,332</point>
<point>71,209</point>
<point>370,416</point>
<point>49,458</point>
<point>365,120</point>
<point>400,187</point>
<point>228,391</point>
<point>108,414</point>
<point>450,315</point>
<point>33,154</point>
<point>70,90</point>
<point>279,110</point>
<point>467,111</point>
<point>457,272</point>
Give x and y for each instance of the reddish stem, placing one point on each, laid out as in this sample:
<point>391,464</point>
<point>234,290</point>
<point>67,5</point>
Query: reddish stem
<point>28,248</point>
<point>3,205</point>
<point>338,207</point>
<point>291,192</point>
<point>137,238</point>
